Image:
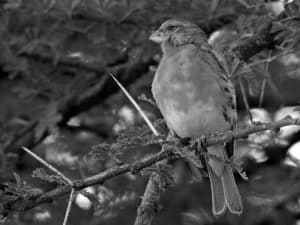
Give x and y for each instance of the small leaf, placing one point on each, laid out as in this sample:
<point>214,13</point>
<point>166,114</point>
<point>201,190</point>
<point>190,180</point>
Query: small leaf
<point>19,190</point>
<point>18,179</point>
<point>165,172</point>
<point>100,151</point>
<point>42,174</point>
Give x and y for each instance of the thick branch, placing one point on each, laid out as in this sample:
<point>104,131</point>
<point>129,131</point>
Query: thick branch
<point>100,178</point>
<point>136,166</point>
<point>148,207</point>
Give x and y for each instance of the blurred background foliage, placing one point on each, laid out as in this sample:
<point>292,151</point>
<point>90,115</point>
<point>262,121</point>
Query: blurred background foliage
<point>57,99</point>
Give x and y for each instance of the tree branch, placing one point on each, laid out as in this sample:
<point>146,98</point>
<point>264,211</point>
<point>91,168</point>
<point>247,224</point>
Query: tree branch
<point>149,205</point>
<point>136,166</point>
<point>248,47</point>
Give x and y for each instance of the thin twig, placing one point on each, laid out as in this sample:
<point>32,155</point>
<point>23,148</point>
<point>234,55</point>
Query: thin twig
<point>262,92</point>
<point>266,60</point>
<point>289,18</point>
<point>48,165</point>
<point>270,59</point>
<point>245,100</point>
<point>71,198</point>
<point>138,108</point>
<point>263,86</point>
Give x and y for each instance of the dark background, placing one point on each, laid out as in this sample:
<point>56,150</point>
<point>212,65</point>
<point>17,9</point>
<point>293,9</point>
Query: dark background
<point>57,99</point>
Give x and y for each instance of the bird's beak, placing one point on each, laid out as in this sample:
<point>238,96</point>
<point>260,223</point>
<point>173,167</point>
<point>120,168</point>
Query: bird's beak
<point>157,37</point>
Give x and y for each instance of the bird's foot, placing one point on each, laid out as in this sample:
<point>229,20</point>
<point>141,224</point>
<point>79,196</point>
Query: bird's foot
<point>201,143</point>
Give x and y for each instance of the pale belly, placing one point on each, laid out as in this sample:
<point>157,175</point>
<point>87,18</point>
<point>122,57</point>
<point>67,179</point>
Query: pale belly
<point>189,97</point>
<point>201,118</point>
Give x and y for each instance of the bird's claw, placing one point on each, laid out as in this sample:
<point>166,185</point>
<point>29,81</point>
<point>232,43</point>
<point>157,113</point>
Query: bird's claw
<point>202,143</point>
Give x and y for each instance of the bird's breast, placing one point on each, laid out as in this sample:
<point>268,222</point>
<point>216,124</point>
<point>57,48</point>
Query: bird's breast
<point>191,103</point>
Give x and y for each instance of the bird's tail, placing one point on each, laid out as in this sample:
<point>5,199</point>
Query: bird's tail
<point>231,192</point>
<point>225,193</point>
<point>217,193</point>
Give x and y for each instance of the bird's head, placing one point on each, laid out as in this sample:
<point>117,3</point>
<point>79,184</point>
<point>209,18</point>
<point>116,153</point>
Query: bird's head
<point>177,32</point>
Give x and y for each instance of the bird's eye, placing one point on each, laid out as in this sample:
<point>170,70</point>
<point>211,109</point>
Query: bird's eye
<point>172,27</point>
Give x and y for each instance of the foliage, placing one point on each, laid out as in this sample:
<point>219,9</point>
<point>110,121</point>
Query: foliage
<point>41,174</point>
<point>18,190</point>
<point>54,60</point>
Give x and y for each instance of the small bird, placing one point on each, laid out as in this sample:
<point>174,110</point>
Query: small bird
<point>196,97</point>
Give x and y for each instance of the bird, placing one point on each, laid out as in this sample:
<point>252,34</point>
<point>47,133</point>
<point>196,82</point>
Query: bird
<point>196,97</point>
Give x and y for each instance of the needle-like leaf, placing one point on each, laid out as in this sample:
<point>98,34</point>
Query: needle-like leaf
<point>138,108</point>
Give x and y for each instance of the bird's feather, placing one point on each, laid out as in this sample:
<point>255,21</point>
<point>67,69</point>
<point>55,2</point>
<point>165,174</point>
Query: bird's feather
<point>188,93</point>
<point>196,97</point>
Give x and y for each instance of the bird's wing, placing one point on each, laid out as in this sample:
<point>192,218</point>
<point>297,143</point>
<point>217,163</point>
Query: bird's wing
<point>211,77</point>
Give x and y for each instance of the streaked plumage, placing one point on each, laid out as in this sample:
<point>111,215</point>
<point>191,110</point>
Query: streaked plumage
<point>196,98</point>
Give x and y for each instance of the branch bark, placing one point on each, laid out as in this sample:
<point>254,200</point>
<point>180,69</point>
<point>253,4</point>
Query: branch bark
<point>149,205</point>
<point>134,167</point>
